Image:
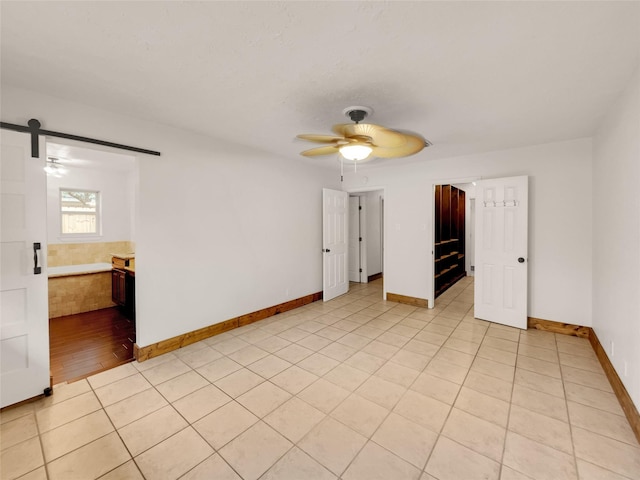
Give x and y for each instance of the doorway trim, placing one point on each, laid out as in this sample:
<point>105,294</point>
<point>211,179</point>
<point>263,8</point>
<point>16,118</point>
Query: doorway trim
<point>362,242</point>
<point>133,186</point>
<point>383,233</point>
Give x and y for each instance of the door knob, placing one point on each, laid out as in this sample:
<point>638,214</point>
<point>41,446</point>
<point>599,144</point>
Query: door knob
<point>520,260</point>
<point>326,250</point>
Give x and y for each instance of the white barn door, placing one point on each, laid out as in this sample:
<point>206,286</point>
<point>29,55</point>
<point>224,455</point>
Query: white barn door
<point>501,251</point>
<point>335,230</point>
<point>24,320</point>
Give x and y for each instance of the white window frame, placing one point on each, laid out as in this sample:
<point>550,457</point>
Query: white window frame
<point>98,214</point>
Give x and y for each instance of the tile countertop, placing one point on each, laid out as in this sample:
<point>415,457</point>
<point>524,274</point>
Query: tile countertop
<point>124,256</point>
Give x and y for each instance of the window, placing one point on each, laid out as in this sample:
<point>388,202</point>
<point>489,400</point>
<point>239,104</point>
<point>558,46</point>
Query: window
<point>80,211</point>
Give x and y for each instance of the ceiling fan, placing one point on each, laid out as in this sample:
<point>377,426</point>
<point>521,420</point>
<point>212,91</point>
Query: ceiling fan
<point>359,142</point>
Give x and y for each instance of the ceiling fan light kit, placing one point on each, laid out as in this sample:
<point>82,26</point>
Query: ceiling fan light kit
<point>355,152</point>
<point>358,142</point>
<point>54,168</point>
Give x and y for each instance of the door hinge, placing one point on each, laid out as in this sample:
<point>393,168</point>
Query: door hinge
<point>359,207</point>
<point>360,239</point>
<point>360,270</point>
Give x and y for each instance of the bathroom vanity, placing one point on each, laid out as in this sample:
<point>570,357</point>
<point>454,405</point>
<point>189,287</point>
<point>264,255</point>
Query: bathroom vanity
<point>123,283</point>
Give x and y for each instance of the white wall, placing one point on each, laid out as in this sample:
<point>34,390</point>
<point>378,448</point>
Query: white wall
<point>221,230</point>
<point>374,254</point>
<point>616,234</point>
<point>469,220</point>
<point>116,203</point>
<point>134,189</point>
<point>559,221</point>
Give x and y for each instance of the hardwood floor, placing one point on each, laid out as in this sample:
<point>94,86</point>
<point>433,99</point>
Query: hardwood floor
<point>87,343</point>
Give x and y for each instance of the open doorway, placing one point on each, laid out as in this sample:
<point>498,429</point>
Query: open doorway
<point>90,220</point>
<point>366,236</point>
<point>454,237</point>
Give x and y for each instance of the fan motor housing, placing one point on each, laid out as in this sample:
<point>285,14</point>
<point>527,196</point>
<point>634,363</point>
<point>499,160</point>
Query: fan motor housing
<point>357,113</point>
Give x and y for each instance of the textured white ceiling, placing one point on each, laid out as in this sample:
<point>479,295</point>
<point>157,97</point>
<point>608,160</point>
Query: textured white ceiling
<point>469,76</point>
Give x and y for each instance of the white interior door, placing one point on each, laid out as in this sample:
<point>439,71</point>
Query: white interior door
<point>354,240</point>
<point>335,228</point>
<point>24,320</point>
<point>501,274</point>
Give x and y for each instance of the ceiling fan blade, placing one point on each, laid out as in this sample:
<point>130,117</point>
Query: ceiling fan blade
<point>386,143</point>
<point>320,138</point>
<point>378,135</point>
<point>328,150</point>
<point>411,144</point>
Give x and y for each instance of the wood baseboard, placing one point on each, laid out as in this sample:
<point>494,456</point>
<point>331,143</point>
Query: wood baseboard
<point>558,327</point>
<point>373,277</point>
<point>619,389</point>
<point>276,309</point>
<point>416,302</point>
<point>165,346</point>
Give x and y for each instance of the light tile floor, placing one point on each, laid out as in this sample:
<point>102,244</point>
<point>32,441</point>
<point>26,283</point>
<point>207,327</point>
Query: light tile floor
<point>355,388</point>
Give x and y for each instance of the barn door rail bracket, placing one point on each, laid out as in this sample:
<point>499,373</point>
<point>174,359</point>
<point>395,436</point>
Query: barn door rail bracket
<point>33,128</point>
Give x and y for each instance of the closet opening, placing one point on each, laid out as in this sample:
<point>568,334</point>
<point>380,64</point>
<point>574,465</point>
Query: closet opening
<point>453,234</point>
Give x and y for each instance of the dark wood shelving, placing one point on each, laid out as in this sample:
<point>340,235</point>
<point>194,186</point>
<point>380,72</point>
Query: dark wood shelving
<point>444,242</point>
<point>449,237</point>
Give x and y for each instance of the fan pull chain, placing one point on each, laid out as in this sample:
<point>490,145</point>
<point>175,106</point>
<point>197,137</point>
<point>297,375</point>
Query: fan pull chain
<point>341,168</point>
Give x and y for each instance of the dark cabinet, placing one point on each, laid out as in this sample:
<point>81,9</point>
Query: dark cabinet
<point>118,287</point>
<point>449,237</point>
<point>123,291</point>
<point>130,295</point>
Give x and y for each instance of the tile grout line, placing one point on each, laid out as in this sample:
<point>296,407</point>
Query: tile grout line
<point>439,433</point>
<point>189,424</point>
<point>102,409</point>
<point>351,393</point>
<point>44,458</point>
<point>295,323</point>
<point>345,399</point>
<point>115,429</point>
<point>513,384</point>
<point>328,415</point>
<point>566,404</point>
<point>571,426</point>
<point>259,418</point>
<point>154,386</point>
